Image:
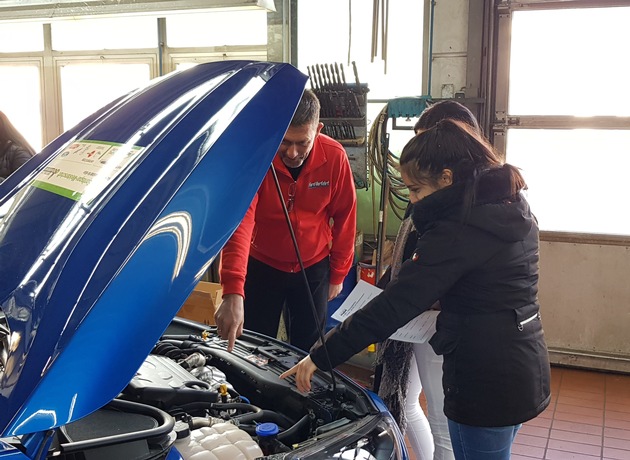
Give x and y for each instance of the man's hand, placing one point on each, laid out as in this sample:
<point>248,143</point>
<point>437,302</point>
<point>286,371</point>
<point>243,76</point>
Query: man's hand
<point>334,290</point>
<point>303,371</point>
<point>229,318</point>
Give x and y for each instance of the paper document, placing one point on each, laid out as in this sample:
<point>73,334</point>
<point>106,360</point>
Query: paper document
<point>418,330</point>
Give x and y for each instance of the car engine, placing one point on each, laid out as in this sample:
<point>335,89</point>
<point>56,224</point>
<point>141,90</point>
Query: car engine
<point>210,403</point>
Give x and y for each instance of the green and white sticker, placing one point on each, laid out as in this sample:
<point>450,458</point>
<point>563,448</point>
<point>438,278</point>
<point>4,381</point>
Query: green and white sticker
<point>85,167</point>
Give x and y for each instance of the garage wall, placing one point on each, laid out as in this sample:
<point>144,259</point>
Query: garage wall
<point>584,297</point>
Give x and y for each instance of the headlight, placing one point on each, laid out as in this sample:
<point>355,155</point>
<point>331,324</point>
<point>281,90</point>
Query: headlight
<point>372,438</point>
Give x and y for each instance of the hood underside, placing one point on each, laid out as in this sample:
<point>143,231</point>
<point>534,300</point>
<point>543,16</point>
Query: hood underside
<point>106,231</point>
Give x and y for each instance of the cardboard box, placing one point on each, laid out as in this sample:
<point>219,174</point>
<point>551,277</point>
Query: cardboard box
<point>202,303</point>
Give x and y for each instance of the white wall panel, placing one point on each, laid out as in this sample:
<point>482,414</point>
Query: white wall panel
<point>585,303</point>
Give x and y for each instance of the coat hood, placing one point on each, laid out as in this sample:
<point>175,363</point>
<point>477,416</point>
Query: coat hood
<point>495,209</point>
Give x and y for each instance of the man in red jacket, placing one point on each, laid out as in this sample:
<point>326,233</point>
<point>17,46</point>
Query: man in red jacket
<point>260,272</point>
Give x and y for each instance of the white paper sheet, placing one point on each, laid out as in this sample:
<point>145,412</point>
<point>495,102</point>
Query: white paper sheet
<point>418,330</point>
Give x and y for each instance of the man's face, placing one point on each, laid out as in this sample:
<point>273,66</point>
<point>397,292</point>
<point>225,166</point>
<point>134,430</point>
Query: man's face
<point>297,144</point>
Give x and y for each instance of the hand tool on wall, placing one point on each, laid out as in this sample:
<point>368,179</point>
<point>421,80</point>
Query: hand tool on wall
<point>331,82</point>
<point>342,84</point>
<point>356,73</point>
<point>320,79</point>
<point>343,75</point>
<point>311,79</point>
<point>330,76</point>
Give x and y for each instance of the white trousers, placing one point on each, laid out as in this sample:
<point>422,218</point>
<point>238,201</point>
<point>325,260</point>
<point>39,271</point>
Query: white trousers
<point>428,438</point>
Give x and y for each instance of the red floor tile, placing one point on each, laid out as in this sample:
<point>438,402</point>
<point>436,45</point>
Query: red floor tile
<point>580,409</point>
<point>595,430</point>
<point>562,455</point>
<point>575,447</point>
<point>569,417</point>
<point>618,444</point>
<point>534,431</point>
<point>588,419</point>
<point>614,415</point>
<point>584,395</point>
<point>582,403</point>
<point>615,407</point>
<point>528,451</point>
<point>620,424</point>
<point>542,422</point>
<point>581,438</point>
<point>616,454</point>
<point>616,433</point>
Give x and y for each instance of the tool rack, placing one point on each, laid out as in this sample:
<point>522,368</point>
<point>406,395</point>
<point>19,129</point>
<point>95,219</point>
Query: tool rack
<point>344,113</point>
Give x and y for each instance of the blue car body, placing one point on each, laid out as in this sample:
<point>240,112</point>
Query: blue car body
<point>105,233</point>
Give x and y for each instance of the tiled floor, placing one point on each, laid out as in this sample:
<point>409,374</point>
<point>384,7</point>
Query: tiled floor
<point>588,418</point>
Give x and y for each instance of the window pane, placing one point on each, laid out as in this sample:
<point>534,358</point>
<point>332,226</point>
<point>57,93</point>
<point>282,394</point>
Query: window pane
<point>321,44</point>
<point>21,36</point>
<point>109,33</point>
<point>570,62</point>
<point>577,178</point>
<point>22,106</point>
<point>85,88</point>
<point>246,27</point>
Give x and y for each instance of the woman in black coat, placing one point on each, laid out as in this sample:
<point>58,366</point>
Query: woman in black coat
<point>477,254</point>
<point>14,149</point>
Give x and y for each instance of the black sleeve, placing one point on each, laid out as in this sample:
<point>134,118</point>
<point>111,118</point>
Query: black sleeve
<point>441,257</point>
<point>385,279</point>
<point>19,157</point>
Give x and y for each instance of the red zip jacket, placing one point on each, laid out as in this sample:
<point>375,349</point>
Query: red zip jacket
<point>324,191</point>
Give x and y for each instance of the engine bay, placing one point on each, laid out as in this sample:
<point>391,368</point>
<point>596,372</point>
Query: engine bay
<point>217,399</point>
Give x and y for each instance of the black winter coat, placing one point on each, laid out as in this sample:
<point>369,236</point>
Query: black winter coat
<point>12,156</point>
<point>484,272</point>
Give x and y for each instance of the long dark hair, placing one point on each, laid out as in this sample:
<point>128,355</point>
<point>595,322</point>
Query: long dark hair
<point>9,133</point>
<point>454,145</point>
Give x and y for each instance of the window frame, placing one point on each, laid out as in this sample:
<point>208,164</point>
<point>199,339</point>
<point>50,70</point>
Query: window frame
<point>37,61</point>
<point>177,56</point>
<point>501,120</point>
<point>161,59</point>
<point>60,59</point>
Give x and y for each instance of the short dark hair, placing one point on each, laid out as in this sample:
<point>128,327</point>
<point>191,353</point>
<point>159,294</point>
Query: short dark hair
<point>446,109</point>
<point>307,111</point>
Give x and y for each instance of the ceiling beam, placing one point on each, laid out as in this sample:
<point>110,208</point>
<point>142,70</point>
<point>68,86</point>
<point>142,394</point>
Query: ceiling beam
<point>53,9</point>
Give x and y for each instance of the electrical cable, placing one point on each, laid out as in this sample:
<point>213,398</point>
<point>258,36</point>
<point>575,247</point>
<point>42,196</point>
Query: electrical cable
<point>398,196</point>
<point>310,294</point>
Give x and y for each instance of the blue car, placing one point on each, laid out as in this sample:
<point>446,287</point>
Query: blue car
<point>103,235</point>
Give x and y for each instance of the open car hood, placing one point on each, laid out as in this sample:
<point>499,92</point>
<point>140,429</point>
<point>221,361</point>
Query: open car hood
<point>107,231</point>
